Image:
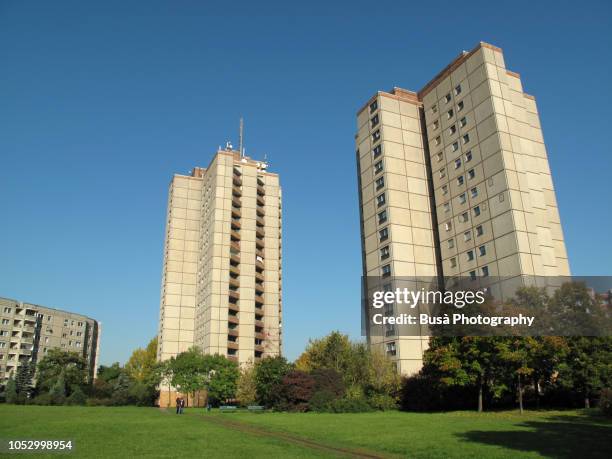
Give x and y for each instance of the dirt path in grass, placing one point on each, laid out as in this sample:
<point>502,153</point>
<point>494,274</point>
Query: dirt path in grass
<point>290,438</point>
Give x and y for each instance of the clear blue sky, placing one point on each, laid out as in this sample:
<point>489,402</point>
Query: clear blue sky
<point>100,103</point>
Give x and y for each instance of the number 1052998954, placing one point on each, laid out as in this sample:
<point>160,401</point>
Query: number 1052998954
<point>13,446</point>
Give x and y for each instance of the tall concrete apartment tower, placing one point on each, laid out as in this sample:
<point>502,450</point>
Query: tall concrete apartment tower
<point>454,181</point>
<point>221,281</point>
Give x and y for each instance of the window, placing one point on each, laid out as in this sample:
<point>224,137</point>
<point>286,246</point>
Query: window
<point>378,167</point>
<point>442,173</point>
<point>470,255</point>
<point>377,151</point>
<point>383,234</point>
<point>382,217</point>
<point>446,207</point>
<point>474,192</point>
<point>463,122</point>
<point>476,211</point>
<point>453,262</point>
<point>457,89</point>
<point>466,138</point>
<point>434,109</point>
<point>464,217</point>
<point>384,252</point>
<point>462,198</point>
<point>448,226</point>
<point>479,230</point>
<point>451,243</point>
<point>447,98</point>
<point>386,270</point>
<point>467,236</point>
<point>452,129</point>
<point>471,174</point>
<point>3,333</point>
<point>376,135</point>
<point>5,321</point>
<point>7,310</point>
<point>473,275</point>
<point>468,156</point>
<point>436,124</point>
<point>439,157</point>
<point>391,348</point>
<point>460,180</point>
<point>457,163</point>
<point>2,345</point>
<point>482,250</point>
<point>485,271</point>
<point>455,146</point>
<point>65,322</point>
<point>450,114</point>
<point>373,106</point>
<point>380,183</point>
<point>380,199</point>
<point>501,197</point>
<point>437,140</point>
<point>374,121</point>
<point>445,189</point>
<point>460,106</point>
<point>48,318</point>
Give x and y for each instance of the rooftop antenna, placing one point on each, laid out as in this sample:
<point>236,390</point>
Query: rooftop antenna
<point>241,137</point>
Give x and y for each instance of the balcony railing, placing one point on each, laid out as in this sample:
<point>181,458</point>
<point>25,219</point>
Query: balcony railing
<point>234,294</point>
<point>232,319</point>
<point>232,345</point>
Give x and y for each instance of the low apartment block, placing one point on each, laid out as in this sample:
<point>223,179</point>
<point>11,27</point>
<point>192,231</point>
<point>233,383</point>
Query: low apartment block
<point>29,331</point>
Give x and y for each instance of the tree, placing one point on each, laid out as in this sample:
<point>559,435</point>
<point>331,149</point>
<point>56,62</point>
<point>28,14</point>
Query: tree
<point>295,391</point>
<point>222,381</point>
<point>11,391</point>
<point>70,367</point>
<point>246,392</point>
<point>517,354</point>
<point>141,365</point>
<point>269,373</point>
<point>23,380</point>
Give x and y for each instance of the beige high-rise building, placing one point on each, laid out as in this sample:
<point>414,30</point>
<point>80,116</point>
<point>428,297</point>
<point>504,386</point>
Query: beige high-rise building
<point>29,331</point>
<point>221,282</point>
<point>454,181</point>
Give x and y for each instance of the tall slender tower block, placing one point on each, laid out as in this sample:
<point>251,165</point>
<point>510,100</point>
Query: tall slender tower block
<point>454,181</point>
<point>222,277</point>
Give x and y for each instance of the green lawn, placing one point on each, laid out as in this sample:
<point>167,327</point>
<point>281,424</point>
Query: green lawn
<point>130,432</point>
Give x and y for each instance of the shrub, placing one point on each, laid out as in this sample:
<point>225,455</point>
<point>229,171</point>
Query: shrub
<point>77,397</point>
<point>328,381</point>
<point>295,391</point>
<point>350,405</point>
<point>42,399</point>
<point>99,402</point>
<point>605,402</point>
<point>321,401</point>
<point>382,402</point>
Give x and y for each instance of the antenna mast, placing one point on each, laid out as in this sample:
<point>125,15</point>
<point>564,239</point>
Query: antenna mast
<point>241,137</point>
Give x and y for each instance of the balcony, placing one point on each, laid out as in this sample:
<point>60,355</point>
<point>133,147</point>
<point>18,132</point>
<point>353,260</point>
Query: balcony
<point>258,275</point>
<point>236,203</point>
<point>234,282</point>
<point>237,181</point>
<point>259,252</point>
<point>236,225</point>
<point>259,323</point>
<point>259,298</point>
<point>232,345</point>
<point>261,212</point>
<point>232,319</point>
<point>261,191</point>
<point>235,257</point>
<point>259,231</point>
<point>236,212</point>
<point>235,235</point>
<point>235,270</point>
<point>232,331</point>
<point>232,357</point>
<point>235,245</point>
<point>234,294</point>
<point>261,201</point>
<point>236,192</point>
<point>260,221</point>
<point>260,335</point>
<point>259,263</point>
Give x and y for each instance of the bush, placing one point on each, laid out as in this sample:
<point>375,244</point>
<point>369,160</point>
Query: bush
<point>382,402</point>
<point>350,405</point>
<point>99,402</point>
<point>42,399</point>
<point>321,401</point>
<point>328,381</point>
<point>77,397</point>
<point>295,391</point>
<point>605,402</point>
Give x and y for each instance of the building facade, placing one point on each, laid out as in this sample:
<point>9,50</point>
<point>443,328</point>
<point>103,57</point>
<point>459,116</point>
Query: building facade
<point>222,276</point>
<point>29,331</point>
<point>454,182</point>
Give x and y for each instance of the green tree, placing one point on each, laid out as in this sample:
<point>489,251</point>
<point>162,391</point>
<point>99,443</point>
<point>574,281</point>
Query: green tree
<point>269,373</point>
<point>23,380</point>
<point>69,366</point>
<point>222,381</point>
<point>141,365</point>
<point>246,392</point>
<point>11,391</point>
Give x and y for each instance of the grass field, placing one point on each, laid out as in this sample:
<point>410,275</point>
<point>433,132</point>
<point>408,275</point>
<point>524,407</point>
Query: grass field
<point>129,431</point>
